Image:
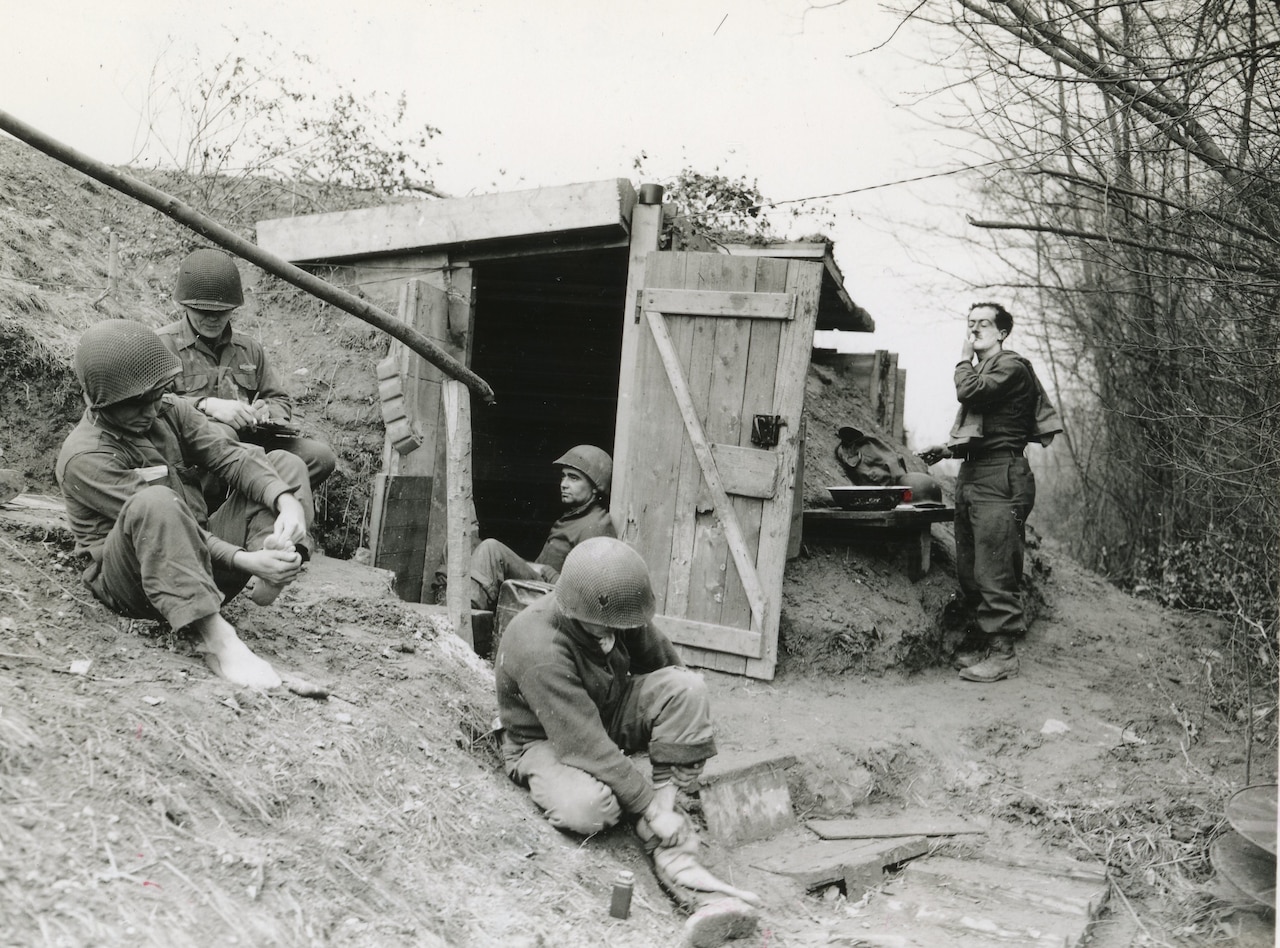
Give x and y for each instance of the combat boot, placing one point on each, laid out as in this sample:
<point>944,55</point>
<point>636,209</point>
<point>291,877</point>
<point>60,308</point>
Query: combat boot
<point>971,650</point>
<point>1001,662</point>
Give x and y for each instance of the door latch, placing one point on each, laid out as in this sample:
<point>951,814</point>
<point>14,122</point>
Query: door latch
<point>765,430</point>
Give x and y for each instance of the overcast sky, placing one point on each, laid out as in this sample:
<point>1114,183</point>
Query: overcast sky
<point>807,101</point>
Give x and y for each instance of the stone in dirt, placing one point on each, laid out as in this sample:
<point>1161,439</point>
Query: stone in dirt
<point>11,484</point>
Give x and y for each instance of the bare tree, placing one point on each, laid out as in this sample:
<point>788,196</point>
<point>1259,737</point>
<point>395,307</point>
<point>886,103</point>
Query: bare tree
<point>1138,207</point>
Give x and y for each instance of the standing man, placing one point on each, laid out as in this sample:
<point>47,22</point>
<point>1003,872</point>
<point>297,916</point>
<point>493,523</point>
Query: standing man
<point>585,474</point>
<point>130,473</point>
<point>225,374</point>
<point>1002,407</point>
<point>583,680</point>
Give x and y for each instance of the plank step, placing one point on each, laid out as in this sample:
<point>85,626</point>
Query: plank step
<point>905,825</point>
<point>981,880</point>
<point>814,862</point>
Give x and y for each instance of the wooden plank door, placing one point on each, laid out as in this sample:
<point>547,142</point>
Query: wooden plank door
<point>718,340</point>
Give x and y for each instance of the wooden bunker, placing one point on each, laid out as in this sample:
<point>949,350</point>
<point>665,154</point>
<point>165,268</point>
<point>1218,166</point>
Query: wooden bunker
<point>688,366</point>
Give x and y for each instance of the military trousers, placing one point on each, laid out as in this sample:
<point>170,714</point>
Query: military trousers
<point>155,561</point>
<point>994,497</point>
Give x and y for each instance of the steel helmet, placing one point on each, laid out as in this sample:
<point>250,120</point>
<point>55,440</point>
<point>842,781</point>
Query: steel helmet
<point>118,359</point>
<point>591,461</point>
<point>925,490</point>
<point>605,582</point>
<point>208,279</point>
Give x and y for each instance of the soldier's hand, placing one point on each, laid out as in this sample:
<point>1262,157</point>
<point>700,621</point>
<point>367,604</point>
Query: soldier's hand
<point>291,521</point>
<point>669,826</point>
<point>279,567</point>
<point>230,412</point>
<point>934,454</point>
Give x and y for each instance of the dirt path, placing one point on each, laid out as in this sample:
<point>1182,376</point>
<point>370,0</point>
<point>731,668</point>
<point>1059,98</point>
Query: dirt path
<point>1107,723</point>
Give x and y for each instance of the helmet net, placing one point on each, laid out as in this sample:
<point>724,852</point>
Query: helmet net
<point>605,582</point>
<point>209,279</point>
<point>118,359</point>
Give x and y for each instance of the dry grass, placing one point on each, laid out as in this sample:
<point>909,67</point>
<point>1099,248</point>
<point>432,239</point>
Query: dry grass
<point>219,816</point>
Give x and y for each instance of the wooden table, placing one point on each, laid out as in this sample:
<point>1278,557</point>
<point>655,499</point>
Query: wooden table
<point>910,522</point>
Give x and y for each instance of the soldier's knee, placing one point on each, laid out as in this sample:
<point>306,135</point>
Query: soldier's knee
<point>291,468</point>
<point>586,811</point>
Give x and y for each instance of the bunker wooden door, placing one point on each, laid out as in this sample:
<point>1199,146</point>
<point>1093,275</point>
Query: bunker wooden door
<point>709,432</point>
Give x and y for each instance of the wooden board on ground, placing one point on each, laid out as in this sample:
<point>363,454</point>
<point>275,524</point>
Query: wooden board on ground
<point>42,511</point>
<point>905,825</point>
<point>748,803</point>
<point>1001,898</point>
<point>817,862</point>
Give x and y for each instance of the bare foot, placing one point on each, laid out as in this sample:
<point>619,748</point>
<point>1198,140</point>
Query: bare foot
<point>262,592</point>
<point>228,657</point>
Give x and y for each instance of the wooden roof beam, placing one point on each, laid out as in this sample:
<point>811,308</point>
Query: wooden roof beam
<point>599,206</point>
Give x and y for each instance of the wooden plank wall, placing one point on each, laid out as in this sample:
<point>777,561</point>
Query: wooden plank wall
<point>877,375</point>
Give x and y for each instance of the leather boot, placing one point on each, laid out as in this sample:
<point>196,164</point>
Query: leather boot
<point>1000,663</point>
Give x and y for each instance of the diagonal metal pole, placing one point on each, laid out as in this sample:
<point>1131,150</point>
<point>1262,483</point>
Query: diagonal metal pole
<point>207,227</point>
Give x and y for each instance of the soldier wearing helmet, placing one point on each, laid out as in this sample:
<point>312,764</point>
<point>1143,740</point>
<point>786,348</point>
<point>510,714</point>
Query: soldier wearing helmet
<point>585,474</point>
<point>130,474</point>
<point>1002,407</point>
<point>584,679</point>
<point>225,374</point>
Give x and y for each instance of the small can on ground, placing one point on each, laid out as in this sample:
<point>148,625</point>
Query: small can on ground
<point>620,899</point>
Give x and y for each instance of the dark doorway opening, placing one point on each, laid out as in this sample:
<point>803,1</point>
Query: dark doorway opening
<point>548,337</point>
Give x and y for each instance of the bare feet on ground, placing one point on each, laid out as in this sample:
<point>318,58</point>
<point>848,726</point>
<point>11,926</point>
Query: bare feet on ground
<point>229,658</point>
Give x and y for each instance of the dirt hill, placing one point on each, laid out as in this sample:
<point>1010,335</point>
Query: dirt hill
<point>143,801</point>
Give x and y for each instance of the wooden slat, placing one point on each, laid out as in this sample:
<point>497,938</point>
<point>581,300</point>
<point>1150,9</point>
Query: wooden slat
<point>651,478</point>
<point>979,880</point>
<point>805,281</point>
<point>753,803</point>
<point>713,577</point>
<point>389,228</point>
<point>401,507</point>
<point>646,230</point>
<point>899,407</point>
<point>694,339</point>
<point>747,472</point>
<point>760,369</point>
<point>899,518</point>
<point>693,427</point>
<point>749,305</point>
<point>817,862</point>
<point>462,526</point>
<point>707,635</point>
<point>796,537</point>
<point>924,825</point>
<point>458,311</point>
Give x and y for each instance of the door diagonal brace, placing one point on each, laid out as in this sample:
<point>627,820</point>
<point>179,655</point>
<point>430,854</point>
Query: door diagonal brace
<point>706,461</point>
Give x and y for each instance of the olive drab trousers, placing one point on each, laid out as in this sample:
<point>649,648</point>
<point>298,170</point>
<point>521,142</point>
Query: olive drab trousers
<point>155,561</point>
<point>994,497</point>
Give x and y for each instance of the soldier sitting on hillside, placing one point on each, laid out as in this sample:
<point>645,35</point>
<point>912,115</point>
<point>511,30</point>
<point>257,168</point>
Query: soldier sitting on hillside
<point>584,679</point>
<point>225,374</point>
<point>585,474</point>
<point>130,473</point>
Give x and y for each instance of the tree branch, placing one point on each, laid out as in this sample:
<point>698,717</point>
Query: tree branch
<point>1177,252</point>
